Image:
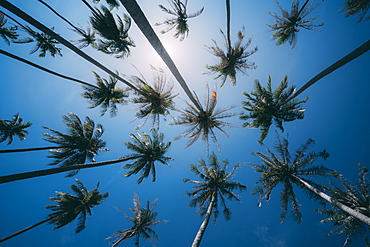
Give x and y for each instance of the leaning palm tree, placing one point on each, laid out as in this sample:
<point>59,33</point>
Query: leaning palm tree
<point>105,94</point>
<point>233,59</point>
<point>69,207</point>
<point>288,24</point>
<point>156,101</point>
<point>354,196</point>
<point>142,22</point>
<point>281,169</point>
<point>115,36</point>
<point>143,221</point>
<point>13,127</point>
<point>264,107</point>
<point>147,149</point>
<point>354,7</point>
<point>202,123</point>
<point>215,188</point>
<point>8,34</point>
<point>179,21</point>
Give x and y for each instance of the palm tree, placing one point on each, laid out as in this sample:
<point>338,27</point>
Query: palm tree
<point>354,7</point>
<point>203,122</point>
<point>281,169</point>
<point>178,9</point>
<point>143,221</point>
<point>288,24</point>
<point>141,21</point>
<point>105,94</point>
<point>80,143</point>
<point>69,207</point>
<point>354,196</point>
<point>215,188</point>
<point>157,99</point>
<point>264,107</point>
<point>233,60</point>
<point>147,151</point>
<point>115,36</point>
<point>13,127</point>
<point>8,34</point>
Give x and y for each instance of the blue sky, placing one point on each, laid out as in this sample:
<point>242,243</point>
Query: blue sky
<point>337,119</point>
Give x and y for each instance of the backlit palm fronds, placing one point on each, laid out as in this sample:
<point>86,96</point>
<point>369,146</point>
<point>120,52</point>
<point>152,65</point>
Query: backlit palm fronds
<point>8,34</point>
<point>354,7</point>
<point>13,127</point>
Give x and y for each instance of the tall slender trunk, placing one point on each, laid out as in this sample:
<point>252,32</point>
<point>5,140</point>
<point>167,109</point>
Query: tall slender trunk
<point>142,22</point>
<point>89,6</point>
<point>25,229</point>
<point>18,150</point>
<point>339,205</point>
<point>228,26</point>
<point>203,226</point>
<point>125,237</point>
<point>21,14</point>
<point>344,60</point>
<point>45,69</point>
<point>50,171</point>
<point>304,5</point>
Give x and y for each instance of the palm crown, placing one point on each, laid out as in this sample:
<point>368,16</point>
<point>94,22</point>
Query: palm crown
<point>288,24</point>
<point>149,149</point>
<point>354,7</point>
<point>7,33</point>
<point>143,221</point>
<point>281,169</point>
<point>180,20</point>
<point>264,106</point>
<point>82,142</point>
<point>107,95</point>
<point>70,207</point>
<point>13,127</point>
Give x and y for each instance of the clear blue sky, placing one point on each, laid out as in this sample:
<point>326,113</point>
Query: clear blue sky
<point>337,118</point>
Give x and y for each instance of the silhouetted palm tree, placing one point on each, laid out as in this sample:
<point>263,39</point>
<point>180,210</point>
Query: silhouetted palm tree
<point>143,221</point>
<point>13,127</point>
<point>178,9</point>
<point>216,186</point>
<point>156,101</point>
<point>201,123</point>
<point>288,24</point>
<point>106,95</point>
<point>233,59</point>
<point>150,149</point>
<point>264,106</point>
<point>70,207</point>
<point>354,7</point>
<point>8,34</point>
<point>354,196</point>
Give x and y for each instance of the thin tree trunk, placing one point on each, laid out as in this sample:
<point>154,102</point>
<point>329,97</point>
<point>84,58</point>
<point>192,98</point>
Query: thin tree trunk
<point>125,237</point>
<point>21,14</point>
<point>24,230</point>
<point>18,150</point>
<point>228,26</point>
<point>141,21</point>
<point>45,69</point>
<point>339,205</point>
<point>203,226</point>
<point>304,5</point>
<point>346,59</point>
<point>45,172</point>
<point>89,6</point>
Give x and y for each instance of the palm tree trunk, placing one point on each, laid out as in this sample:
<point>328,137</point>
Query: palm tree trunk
<point>18,150</point>
<point>304,5</point>
<point>125,237</point>
<point>21,14</point>
<point>344,60</point>
<point>339,205</point>
<point>203,226</point>
<point>228,26</point>
<point>45,172</point>
<point>45,69</point>
<point>142,22</point>
<point>25,229</point>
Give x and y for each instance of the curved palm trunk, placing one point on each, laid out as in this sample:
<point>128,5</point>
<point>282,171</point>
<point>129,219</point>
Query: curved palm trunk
<point>24,230</point>
<point>141,21</point>
<point>45,69</point>
<point>125,237</point>
<point>346,59</point>
<point>228,26</point>
<point>45,172</point>
<point>339,205</point>
<point>18,150</point>
<point>203,226</point>
<point>21,14</point>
